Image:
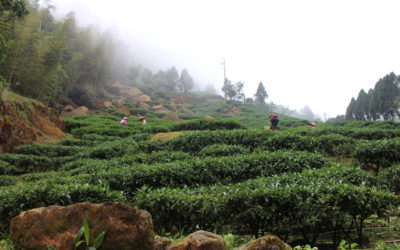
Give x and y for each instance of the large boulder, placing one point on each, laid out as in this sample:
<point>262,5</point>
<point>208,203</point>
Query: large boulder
<point>268,242</point>
<point>126,227</point>
<point>161,243</point>
<point>200,240</point>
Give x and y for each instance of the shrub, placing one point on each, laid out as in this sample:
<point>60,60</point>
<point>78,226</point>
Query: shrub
<point>389,178</point>
<point>6,180</point>
<point>266,206</point>
<point>77,142</point>
<point>27,163</point>
<point>205,171</point>
<point>15,199</point>
<point>204,124</point>
<point>6,168</point>
<point>223,150</point>
<point>82,96</point>
<point>108,150</point>
<point>335,145</point>
<point>377,154</point>
<point>37,176</point>
<point>143,112</point>
<point>48,150</point>
<point>195,141</point>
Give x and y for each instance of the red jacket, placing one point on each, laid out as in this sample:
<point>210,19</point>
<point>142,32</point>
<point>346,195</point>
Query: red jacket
<point>273,116</point>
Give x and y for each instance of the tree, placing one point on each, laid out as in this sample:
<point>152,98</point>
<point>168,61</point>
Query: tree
<point>228,89</point>
<point>9,10</point>
<point>210,89</point>
<point>239,95</point>
<point>172,79</point>
<point>186,82</point>
<point>361,107</point>
<point>261,95</point>
<point>351,110</point>
<point>386,95</point>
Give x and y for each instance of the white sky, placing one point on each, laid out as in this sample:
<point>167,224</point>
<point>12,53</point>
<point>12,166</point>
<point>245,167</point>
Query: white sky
<point>318,53</point>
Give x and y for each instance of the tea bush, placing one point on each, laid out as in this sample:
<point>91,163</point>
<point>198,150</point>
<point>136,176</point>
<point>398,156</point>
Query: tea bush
<point>6,180</point>
<point>206,171</point>
<point>259,205</point>
<point>28,163</point>
<point>204,124</point>
<point>389,178</point>
<point>223,150</point>
<point>77,142</point>
<point>6,168</point>
<point>117,148</point>
<point>335,145</point>
<point>377,154</point>
<point>15,199</point>
<point>195,141</point>
<point>48,150</point>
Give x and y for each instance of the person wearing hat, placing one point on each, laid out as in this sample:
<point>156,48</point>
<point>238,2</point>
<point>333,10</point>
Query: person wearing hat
<point>142,120</point>
<point>124,121</point>
<point>274,121</point>
<point>313,126</point>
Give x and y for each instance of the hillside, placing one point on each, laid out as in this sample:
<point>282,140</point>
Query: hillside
<point>121,100</point>
<point>26,121</point>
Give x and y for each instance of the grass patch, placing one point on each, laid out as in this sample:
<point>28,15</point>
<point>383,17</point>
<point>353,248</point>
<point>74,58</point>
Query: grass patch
<point>167,136</point>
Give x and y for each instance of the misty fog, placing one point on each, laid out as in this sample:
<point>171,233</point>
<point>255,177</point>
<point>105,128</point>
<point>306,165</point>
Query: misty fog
<point>314,54</point>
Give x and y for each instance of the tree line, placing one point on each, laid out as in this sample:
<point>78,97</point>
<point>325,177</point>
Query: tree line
<point>381,102</point>
<point>235,92</point>
<point>56,61</point>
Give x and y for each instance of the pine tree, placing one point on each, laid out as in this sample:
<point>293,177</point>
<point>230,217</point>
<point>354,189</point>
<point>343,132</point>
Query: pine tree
<point>351,110</point>
<point>260,95</point>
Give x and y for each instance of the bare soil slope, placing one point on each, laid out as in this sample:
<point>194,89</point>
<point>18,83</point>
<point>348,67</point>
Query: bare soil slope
<point>26,121</point>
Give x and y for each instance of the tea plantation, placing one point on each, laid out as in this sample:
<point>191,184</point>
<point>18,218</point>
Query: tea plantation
<point>315,186</point>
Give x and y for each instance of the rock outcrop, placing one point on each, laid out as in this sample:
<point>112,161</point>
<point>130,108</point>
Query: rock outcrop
<point>268,242</point>
<point>125,227</point>
<point>200,240</point>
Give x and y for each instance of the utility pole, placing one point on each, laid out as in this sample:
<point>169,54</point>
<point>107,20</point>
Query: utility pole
<point>224,83</point>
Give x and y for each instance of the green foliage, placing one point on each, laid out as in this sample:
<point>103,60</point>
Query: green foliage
<point>229,240</point>
<point>261,94</point>
<point>85,231</point>
<point>82,96</point>
<point>48,150</point>
<point>15,199</point>
<point>263,204</point>
<point>203,124</point>
<point>306,247</point>
<point>108,150</point>
<point>377,154</point>
<point>6,168</point>
<point>143,112</point>
<point>223,150</point>
<point>389,178</point>
<point>6,180</point>
<point>206,171</point>
<point>382,101</point>
<point>344,245</point>
<point>27,163</point>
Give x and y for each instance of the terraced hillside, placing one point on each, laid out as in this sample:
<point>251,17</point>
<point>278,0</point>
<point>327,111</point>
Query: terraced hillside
<point>309,186</point>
